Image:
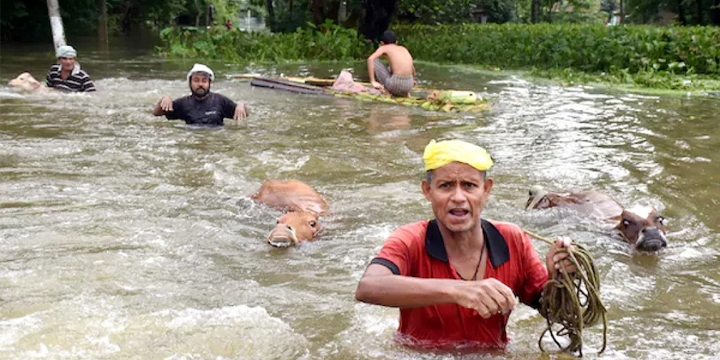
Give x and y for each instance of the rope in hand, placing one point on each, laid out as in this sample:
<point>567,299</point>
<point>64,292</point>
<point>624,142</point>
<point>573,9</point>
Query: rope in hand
<point>572,300</point>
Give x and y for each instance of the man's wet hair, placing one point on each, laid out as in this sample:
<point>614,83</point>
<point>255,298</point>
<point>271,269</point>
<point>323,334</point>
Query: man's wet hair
<point>388,37</point>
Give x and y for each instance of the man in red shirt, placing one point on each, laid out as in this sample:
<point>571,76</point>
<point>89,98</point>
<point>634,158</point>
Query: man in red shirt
<point>455,278</point>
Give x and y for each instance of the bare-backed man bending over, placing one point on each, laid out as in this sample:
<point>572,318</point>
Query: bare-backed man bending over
<point>201,107</point>
<point>399,78</point>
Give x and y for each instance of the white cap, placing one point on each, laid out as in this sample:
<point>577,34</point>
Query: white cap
<point>65,51</point>
<point>201,68</point>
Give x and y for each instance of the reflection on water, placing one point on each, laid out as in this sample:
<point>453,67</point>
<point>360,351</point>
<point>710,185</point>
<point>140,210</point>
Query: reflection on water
<point>126,236</point>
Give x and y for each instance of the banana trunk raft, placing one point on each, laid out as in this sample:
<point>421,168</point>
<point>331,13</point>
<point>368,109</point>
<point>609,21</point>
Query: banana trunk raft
<point>431,100</point>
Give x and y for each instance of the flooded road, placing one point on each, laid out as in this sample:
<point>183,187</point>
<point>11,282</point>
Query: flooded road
<point>127,236</point>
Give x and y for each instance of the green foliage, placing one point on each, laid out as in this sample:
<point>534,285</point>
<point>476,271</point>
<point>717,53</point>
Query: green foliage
<point>286,20</point>
<point>648,11</point>
<point>624,79</point>
<point>433,12</point>
<point>589,48</point>
<point>324,42</point>
<point>586,48</point>
<point>436,11</point>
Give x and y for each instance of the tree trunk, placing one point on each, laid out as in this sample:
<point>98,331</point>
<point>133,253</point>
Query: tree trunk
<point>549,13</point>
<point>535,17</point>
<point>352,20</point>
<point>102,26</point>
<point>197,13</point>
<point>700,20</point>
<point>56,23</point>
<point>317,9</point>
<point>126,21</point>
<point>334,11</point>
<point>714,13</point>
<point>681,14</point>
<point>378,14</point>
<point>622,12</point>
<point>270,14</point>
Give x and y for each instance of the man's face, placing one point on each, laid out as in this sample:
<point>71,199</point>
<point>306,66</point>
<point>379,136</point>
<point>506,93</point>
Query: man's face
<point>67,63</point>
<point>458,193</point>
<point>199,84</point>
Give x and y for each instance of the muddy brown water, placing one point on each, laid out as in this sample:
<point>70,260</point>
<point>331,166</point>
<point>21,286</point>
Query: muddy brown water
<point>126,236</point>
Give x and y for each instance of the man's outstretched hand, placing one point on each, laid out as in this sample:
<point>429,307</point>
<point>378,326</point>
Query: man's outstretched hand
<point>241,111</point>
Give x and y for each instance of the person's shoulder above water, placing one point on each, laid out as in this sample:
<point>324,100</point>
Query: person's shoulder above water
<point>411,232</point>
<point>509,228</point>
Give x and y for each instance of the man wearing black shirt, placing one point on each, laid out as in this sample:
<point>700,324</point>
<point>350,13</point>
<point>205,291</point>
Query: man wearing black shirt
<point>201,107</point>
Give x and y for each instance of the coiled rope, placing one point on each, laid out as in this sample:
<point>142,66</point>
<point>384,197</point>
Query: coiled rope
<point>572,300</point>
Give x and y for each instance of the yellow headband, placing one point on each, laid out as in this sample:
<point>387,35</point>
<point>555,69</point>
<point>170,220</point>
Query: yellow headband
<point>439,154</point>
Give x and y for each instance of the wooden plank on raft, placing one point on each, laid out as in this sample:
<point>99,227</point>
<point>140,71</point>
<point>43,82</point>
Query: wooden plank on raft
<point>322,82</point>
<point>303,80</point>
<point>290,86</point>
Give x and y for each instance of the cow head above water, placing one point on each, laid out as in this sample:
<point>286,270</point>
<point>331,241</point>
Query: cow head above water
<point>642,227</point>
<point>294,227</point>
<point>302,206</point>
<point>27,82</point>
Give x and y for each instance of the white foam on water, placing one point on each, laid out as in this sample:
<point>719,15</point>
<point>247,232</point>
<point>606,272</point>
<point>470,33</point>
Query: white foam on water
<point>98,330</point>
<point>9,94</point>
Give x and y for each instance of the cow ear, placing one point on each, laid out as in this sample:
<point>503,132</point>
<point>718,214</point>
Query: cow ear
<point>35,85</point>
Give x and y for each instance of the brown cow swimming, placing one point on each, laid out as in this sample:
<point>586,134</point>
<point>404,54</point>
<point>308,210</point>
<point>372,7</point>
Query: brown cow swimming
<point>27,82</point>
<point>642,226</point>
<point>303,207</point>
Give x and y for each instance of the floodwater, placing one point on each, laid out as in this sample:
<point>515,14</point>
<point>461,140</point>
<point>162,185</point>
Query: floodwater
<point>127,236</point>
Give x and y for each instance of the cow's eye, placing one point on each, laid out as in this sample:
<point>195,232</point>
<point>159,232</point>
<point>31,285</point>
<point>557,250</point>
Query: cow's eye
<point>626,222</point>
<point>312,224</point>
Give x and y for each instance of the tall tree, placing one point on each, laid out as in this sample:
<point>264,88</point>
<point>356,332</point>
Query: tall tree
<point>378,14</point>
<point>699,9</point>
<point>714,13</point>
<point>681,13</point>
<point>271,14</point>
<point>102,26</point>
<point>317,8</point>
<point>535,12</point>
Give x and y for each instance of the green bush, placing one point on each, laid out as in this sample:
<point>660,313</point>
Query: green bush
<point>324,42</point>
<point>682,58</point>
<point>590,48</point>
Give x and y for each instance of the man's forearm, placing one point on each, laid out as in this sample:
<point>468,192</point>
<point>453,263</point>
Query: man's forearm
<point>404,291</point>
<point>371,69</point>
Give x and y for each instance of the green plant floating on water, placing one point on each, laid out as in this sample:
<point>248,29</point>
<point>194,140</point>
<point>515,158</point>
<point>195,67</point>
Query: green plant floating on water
<point>439,100</point>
